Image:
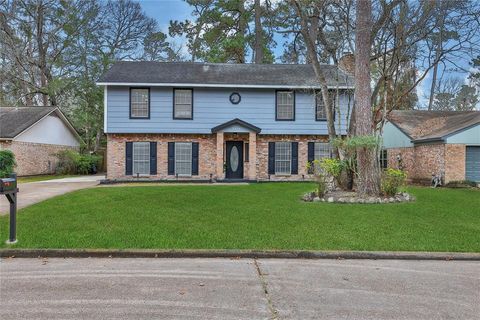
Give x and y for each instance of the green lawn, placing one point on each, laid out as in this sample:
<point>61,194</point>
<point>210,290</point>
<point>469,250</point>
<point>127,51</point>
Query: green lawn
<point>257,216</point>
<point>42,178</point>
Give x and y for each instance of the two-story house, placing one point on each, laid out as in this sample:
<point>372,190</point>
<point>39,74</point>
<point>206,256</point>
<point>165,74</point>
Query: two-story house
<point>205,121</point>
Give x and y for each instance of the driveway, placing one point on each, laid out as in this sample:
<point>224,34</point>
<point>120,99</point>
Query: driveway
<point>119,288</point>
<point>33,192</point>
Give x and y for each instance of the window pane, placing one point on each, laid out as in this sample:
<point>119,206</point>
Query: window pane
<point>321,111</point>
<point>322,150</point>
<point>285,105</point>
<point>283,157</point>
<point>183,158</point>
<point>141,158</point>
<point>183,104</point>
<point>139,103</point>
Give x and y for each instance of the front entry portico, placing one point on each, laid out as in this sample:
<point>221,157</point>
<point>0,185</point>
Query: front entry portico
<point>236,158</point>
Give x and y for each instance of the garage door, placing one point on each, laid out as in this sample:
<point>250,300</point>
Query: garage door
<point>473,164</point>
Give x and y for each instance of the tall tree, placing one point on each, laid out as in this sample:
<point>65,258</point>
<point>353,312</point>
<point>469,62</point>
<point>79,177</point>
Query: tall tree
<point>368,173</point>
<point>258,52</point>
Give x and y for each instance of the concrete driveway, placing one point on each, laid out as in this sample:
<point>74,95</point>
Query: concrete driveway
<point>34,192</point>
<point>119,288</point>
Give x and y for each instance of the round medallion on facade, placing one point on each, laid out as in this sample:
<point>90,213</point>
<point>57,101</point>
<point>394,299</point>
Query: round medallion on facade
<point>235,98</point>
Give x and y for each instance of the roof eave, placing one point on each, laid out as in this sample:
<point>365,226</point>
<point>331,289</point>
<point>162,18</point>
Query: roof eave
<point>219,85</point>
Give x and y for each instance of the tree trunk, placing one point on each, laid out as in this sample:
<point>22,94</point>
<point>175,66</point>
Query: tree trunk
<point>368,173</point>
<point>242,28</point>
<point>438,50</point>
<point>313,58</point>
<point>258,33</point>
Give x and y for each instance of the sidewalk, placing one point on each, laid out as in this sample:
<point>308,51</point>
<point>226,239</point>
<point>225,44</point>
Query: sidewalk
<point>90,288</point>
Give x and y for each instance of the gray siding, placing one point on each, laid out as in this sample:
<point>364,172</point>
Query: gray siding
<point>212,107</point>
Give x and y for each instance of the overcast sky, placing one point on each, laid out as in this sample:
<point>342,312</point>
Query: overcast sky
<point>165,10</point>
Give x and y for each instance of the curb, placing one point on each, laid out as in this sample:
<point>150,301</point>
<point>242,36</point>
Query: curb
<point>250,254</point>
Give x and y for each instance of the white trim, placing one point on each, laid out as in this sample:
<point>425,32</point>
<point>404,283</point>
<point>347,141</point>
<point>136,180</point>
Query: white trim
<point>105,109</point>
<point>197,85</point>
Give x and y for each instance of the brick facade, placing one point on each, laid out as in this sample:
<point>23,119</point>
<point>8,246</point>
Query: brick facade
<point>421,161</point>
<point>211,154</point>
<point>34,158</point>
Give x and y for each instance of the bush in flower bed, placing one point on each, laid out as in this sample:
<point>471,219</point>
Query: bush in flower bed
<point>72,162</point>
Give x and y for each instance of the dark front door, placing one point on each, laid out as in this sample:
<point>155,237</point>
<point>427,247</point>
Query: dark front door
<point>234,160</point>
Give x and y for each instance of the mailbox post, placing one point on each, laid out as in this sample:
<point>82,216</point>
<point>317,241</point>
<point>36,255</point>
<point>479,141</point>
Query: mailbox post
<point>8,187</point>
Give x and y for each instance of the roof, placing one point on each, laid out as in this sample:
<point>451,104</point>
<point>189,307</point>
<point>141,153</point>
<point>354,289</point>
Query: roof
<point>14,121</point>
<point>239,122</point>
<point>423,126</point>
<point>222,75</point>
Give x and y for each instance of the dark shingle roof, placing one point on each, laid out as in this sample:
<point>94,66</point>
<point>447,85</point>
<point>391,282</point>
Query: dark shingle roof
<point>14,121</point>
<point>421,125</point>
<point>295,75</point>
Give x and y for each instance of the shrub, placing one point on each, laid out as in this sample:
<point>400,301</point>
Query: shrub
<point>7,163</point>
<point>331,166</point>
<point>321,185</point>
<point>392,181</point>
<point>461,184</point>
<point>72,162</point>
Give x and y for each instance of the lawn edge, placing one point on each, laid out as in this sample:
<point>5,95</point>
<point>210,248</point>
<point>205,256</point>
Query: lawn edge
<point>236,254</point>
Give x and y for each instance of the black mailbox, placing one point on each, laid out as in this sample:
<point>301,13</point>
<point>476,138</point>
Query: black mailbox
<point>8,185</point>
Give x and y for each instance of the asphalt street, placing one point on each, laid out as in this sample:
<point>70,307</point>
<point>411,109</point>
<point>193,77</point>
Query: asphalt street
<point>120,288</point>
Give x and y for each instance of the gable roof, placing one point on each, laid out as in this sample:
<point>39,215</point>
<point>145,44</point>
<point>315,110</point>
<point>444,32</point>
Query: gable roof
<point>424,126</point>
<point>222,75</point>
<point>238,122</point>
<point>14,121</point>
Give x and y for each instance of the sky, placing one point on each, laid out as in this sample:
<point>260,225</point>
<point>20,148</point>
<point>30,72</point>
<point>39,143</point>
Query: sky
<point>165,10</point>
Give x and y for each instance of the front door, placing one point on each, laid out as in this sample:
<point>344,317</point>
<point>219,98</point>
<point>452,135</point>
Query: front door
<point>234,160</point>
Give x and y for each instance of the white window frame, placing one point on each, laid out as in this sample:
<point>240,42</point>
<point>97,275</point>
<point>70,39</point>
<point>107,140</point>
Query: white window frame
<point>283,159</point>
<point>138,110</point>
<point>138,159</point>
<point>279,113</point>
<point>321,150</point>
<point>178,146</point>
<point>180,101</point>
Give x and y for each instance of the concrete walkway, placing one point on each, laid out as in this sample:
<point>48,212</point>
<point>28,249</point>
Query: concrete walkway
<point>33,192</point>
<point>92,288</point>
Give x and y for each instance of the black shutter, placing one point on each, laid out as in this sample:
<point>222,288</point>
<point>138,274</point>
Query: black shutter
<point>195,158</point>
<point>271,158</point>
<point>311,156</point>
<point>171,158</point>
<point>294,157</point>
<point>129,159</point>
<point>153,158</point>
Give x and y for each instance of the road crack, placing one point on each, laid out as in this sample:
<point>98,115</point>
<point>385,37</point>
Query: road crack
<point>263,282</point>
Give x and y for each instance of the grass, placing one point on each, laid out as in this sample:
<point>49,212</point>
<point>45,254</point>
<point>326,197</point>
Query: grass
<point>257,216</point>
<point>41,178</point>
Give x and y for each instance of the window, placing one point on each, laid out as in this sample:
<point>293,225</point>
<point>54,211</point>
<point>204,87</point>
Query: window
<point>141,158</point>
<point>320,110</point>
<point>247,152</point>
<point>139,103</point>
<point>383,159</point>
<point>285,105</point>
<point>322,150</point>
<point>283,158</point>
<point>183,158</point>
<point>183,104</point>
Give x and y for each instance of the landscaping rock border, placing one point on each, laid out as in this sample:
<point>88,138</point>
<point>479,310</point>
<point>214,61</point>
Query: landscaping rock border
<point>352,197</point>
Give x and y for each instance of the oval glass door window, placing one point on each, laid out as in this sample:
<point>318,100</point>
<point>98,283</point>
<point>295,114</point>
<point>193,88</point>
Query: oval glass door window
<point>234,158</point>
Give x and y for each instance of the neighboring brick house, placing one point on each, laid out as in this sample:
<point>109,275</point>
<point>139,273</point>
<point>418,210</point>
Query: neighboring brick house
<point>206,121</point>
<point>434,142</point>
<point>35,135</point>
